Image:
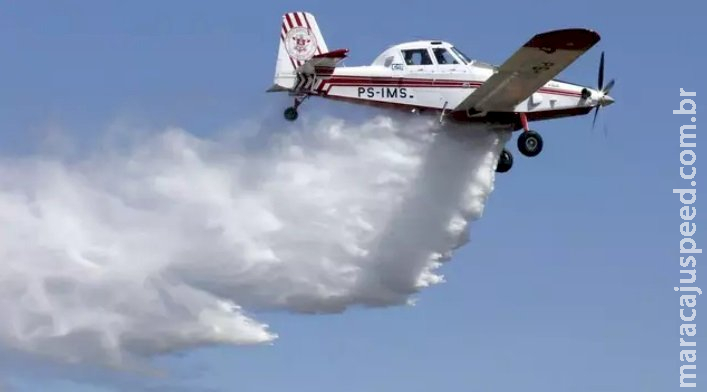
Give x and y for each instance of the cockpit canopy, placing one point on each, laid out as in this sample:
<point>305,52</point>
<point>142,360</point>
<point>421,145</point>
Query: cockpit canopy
<point>422,53</point>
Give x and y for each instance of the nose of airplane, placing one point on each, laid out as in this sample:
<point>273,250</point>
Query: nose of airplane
<point>606,100</point>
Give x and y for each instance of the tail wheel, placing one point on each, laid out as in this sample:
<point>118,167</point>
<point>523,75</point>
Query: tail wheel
<point>505,162</point>
<point>530,143</point>
<point>290,114</point>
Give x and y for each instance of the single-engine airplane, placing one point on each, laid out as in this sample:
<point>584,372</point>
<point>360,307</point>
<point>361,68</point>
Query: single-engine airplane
<point>436,77</point>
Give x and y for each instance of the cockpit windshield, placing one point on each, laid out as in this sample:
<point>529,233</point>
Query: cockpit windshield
<point>461,55</point>
<point>443,56</point>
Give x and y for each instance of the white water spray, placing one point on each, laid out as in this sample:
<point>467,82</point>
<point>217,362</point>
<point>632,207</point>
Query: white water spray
<point>178,241</point>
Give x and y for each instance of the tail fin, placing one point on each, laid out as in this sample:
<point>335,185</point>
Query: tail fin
<point>300,40</point>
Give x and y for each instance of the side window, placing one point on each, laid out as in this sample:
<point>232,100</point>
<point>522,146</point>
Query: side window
<point>417,57</point>
<point>444,57</point>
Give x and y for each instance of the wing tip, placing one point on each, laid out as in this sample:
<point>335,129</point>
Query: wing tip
<point>567,39</point>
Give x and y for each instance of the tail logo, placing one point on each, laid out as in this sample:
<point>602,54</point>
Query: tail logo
<point>300,43</point>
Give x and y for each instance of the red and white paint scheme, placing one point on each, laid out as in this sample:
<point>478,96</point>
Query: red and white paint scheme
<point>436,77</point>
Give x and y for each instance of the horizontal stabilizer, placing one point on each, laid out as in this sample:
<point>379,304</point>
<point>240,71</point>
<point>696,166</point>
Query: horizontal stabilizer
<point>323,62</point>
<point>276,89</point>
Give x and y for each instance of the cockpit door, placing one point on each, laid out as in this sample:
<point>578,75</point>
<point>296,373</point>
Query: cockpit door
<point>418,61</point>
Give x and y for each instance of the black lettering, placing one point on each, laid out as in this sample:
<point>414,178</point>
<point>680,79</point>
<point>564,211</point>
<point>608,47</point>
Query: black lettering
<point>391,93</point>
<point>403,92</point>
<point>545,66</point>
<point>371,92</point>
<point>361,90</point>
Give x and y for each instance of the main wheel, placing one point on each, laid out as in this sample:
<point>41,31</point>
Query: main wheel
<point>290,114</point>
<point>505,161</point>
<point>530,143</point>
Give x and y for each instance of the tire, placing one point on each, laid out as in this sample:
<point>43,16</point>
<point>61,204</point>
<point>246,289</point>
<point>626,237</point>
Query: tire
<point>505,162</point>
<point>530,143</point>
<point>291,114</point>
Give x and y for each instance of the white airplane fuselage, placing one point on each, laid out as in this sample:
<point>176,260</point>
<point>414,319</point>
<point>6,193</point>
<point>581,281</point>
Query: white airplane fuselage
<point>389,82</point>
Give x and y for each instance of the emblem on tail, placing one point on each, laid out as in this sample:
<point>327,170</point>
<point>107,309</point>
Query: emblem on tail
<point>301,43</point>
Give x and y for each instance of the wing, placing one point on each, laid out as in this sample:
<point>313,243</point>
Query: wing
<point>530,67</point>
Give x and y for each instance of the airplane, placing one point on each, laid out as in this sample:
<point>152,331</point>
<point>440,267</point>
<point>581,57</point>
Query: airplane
<point>432,76</point>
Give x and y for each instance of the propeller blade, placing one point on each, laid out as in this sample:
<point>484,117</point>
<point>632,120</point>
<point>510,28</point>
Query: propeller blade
<point>601,71</point>
<point>603,101</point>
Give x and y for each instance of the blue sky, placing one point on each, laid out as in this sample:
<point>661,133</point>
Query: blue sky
<point>567,282</point>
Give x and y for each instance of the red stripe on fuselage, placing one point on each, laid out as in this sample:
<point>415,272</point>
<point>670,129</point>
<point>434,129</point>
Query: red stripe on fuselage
<point>352,81</point>
<point>344,80</point>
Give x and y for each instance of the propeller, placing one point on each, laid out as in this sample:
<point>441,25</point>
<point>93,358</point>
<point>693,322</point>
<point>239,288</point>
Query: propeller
<point>604,98</point>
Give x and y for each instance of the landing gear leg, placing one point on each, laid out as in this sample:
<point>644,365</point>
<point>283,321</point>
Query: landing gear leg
<point>291,112</point>
<point>505,161</point>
